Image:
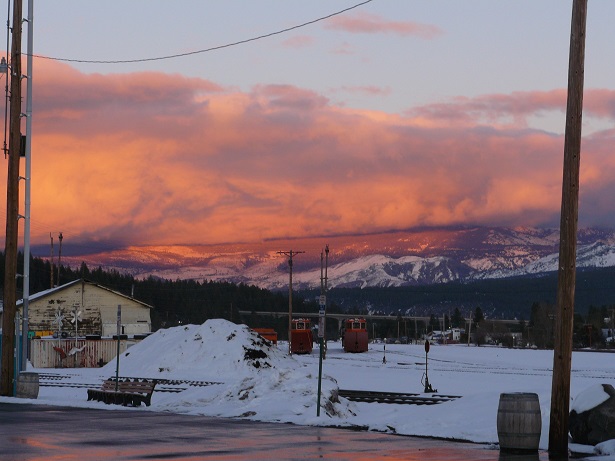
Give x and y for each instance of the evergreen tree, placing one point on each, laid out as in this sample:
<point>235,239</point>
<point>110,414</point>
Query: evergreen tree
<point>478,316</point>
<point>457,320</point>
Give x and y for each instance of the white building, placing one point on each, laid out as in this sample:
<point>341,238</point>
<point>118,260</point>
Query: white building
<point>85,308</point>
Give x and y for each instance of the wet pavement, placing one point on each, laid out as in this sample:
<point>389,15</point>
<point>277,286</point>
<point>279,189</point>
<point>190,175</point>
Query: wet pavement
<point>43,433</point>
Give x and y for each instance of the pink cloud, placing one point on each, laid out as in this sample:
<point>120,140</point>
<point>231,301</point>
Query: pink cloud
<point>343,49</point>
<point>517,106</point>
<point>299,41</point>
<point>372,90</point>
<point>368,23</point>
<point>150,158</point>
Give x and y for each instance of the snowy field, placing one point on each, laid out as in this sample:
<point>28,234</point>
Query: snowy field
<point>254,380</point>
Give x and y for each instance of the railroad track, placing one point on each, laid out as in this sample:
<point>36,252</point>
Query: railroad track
<point>163,385</point>
<point>177,385</point>
<point>401,398</point>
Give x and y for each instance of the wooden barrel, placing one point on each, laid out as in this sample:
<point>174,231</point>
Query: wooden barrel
<point>27,385</point>
<point>519,422</point>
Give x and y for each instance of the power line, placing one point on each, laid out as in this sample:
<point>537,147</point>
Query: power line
<point>205,50</point>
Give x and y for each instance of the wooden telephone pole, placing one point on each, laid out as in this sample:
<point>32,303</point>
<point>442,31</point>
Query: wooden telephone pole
<point>290,255</point>
<point>7,371</point>
<point>562,353</point>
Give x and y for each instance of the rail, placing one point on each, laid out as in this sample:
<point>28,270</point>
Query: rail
<point>402,398</point>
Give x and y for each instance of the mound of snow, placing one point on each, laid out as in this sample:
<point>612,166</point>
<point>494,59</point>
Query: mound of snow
<point>212,351</point>
<point>253,376</point>
<point>605,448</point>
<point>589,398</point>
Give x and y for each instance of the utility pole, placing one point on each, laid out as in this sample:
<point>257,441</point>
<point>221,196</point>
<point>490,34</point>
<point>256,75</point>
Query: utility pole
<point>562,353</point>
<point>52,273</point>
<point>60,237</point>
<point>7,371</point>
<point>469,328</point>
<point>322,341</point>
<point>27,194</point>
<point>324,333</point>
<point>290,254</point>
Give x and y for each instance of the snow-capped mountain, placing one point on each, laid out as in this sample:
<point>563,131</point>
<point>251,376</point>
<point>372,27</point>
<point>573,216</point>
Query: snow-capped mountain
<point>592,255</point>
<point>385,260</point>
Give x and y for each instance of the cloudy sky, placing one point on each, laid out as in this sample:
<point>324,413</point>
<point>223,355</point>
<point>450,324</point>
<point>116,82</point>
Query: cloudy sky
<point>387,116</point>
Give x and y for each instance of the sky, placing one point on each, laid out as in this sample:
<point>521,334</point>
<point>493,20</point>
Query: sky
<point>283,388</point>
<point>387,116</point>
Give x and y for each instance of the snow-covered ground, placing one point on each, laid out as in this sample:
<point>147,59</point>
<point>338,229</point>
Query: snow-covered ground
<point>249,378</point>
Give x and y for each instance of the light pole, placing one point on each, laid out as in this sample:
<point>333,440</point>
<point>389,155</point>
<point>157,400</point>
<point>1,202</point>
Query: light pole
<point>26,247</point>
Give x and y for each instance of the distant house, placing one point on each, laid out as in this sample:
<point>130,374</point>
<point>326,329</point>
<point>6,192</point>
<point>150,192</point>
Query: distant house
<point>449,336</point>
<point>84,308</point>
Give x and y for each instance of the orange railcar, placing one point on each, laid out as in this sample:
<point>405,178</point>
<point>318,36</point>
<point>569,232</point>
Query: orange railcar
<point>268,333</point>
<point>301,336</point>
<point>354,335</point>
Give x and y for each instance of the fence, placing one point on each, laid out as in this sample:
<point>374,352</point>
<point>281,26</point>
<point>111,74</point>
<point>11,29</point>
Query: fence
<point>71,353</point>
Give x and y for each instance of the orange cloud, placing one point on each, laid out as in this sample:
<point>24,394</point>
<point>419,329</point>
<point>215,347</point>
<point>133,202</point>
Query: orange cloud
<point>150,158</point>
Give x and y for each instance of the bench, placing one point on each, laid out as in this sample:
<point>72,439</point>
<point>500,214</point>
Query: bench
<point>128,392</point>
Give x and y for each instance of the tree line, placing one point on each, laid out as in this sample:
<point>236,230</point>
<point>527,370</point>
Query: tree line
<point>509,298</point>
<point>177,302</point>
<point>174,302</point>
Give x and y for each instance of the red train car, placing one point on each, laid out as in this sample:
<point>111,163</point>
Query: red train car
<point>354,335</point>
<point>268,333</point>
<point>301,336</point>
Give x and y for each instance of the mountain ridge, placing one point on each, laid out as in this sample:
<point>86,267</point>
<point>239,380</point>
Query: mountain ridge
<point>403,258</point>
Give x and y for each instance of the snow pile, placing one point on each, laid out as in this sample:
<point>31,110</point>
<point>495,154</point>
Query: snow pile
<point>215,350</point>
<point>605,448</point>
<point>250,376</point>
<point>589,398</point>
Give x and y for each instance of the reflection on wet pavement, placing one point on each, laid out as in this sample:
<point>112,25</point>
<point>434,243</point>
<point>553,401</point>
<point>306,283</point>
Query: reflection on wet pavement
<point>35,432</point>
